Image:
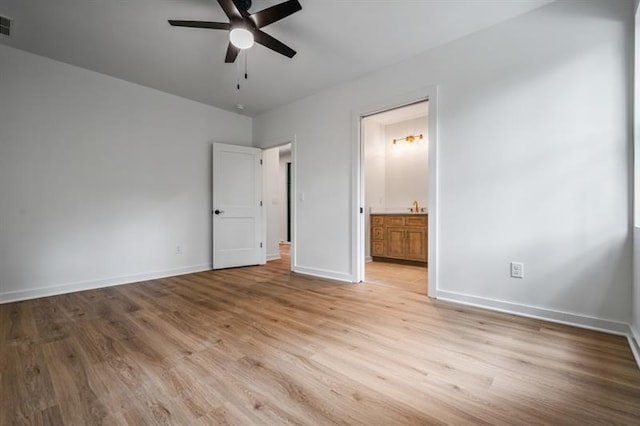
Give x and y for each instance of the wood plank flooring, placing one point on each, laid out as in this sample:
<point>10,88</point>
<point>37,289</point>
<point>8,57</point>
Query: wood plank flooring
<point>408,277</point>
<point>262,346</point>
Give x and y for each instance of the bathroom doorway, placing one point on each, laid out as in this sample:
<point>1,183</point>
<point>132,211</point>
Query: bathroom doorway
<point>279,206</point>
<point>395,196</point>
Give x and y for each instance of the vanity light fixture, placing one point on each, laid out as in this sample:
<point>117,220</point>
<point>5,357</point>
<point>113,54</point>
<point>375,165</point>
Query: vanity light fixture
<point>409,138</point>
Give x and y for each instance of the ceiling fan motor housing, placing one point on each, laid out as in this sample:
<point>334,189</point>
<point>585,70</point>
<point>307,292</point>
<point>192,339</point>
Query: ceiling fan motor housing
<point>243,4</point>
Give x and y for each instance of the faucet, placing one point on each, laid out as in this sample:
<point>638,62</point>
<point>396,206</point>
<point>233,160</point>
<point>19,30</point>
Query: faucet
<point>417,209</point>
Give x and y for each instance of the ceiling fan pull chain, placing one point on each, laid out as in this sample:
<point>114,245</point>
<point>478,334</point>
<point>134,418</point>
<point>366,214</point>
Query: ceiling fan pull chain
<point>246,65</point>
<point>238,75</point>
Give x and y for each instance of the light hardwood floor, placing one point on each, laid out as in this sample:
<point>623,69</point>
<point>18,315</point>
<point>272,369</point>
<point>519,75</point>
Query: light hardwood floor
<point>408,277</point>
<point>263,346</point>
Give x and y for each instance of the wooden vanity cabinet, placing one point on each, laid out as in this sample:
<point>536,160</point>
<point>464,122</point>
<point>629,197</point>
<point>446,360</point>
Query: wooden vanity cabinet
<point>399,237</point>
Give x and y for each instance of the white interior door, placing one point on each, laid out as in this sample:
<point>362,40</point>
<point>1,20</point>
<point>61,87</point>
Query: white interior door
<point>237,210</point>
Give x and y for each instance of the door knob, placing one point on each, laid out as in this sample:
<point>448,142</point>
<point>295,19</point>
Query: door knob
<point>218,211</point>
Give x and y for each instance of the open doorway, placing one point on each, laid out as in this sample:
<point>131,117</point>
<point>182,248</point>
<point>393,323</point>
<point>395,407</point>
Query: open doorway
<point>395,177</point>
<point>278,199</point>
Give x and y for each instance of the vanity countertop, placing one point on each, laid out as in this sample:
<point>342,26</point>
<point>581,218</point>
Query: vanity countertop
<point>400,213</point>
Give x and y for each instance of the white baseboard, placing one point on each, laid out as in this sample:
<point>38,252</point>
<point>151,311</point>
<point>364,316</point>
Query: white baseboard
<point>15,296</point>
<point>634,342</point>
<point>368,259</point>
<point>598,324</point>
<point>273,256</point>
<point>323,273</point>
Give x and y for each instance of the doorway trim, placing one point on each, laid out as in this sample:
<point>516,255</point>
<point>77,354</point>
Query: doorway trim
<point>430,94</point>
<point>276,143</point>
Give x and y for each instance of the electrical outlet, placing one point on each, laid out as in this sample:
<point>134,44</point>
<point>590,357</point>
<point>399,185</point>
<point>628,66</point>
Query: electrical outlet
<point>178,250</point>
<point>517,270</point>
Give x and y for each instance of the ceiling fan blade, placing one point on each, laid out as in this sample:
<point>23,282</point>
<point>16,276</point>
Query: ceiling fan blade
<point>201,24</point>
<point>232,53</point>
<point>230,9</point>
<point>267,41</point>
<point>275,13</point>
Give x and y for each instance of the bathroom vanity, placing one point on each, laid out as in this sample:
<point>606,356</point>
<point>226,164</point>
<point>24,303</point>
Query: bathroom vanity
<point>399,237</point>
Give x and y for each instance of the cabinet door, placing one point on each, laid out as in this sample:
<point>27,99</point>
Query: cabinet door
<point>416,244</point>
<point>395,242</point>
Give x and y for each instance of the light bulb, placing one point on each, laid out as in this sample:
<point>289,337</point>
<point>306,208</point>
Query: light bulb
<point>241,38</point>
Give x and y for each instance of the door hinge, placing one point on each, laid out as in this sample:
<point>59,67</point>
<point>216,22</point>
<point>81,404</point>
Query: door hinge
<point>261,161</point>
<point>361,210</point>
<point>260,245</point>
<point>260,203</point>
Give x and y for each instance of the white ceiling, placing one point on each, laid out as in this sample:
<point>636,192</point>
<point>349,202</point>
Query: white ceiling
<point>336,40</point>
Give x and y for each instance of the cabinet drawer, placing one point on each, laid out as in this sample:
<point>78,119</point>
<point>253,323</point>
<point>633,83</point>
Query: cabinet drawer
<point>416,221</point>
<point>377,220</point>
<point>377,233</point>
<point>394,221</point>
<point>377,248</point>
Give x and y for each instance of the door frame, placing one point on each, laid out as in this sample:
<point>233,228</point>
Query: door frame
<point>276,143</point>
<point>430,94</point>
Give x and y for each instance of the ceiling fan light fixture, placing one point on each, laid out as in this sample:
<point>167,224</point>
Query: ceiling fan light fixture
<point>241,37</point>
<point>245,27</point>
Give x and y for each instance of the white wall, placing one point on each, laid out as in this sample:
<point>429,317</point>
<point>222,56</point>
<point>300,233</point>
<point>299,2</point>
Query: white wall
<point>271,200</point>
<point>373,136</point>
<point>100,179</point>
<point>533,155</point>
<point>636,235</point>
<point>407,174</point>
<point>285,157</point>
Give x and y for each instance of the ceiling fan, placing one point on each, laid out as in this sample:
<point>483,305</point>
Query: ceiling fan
<point>244,27</point>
